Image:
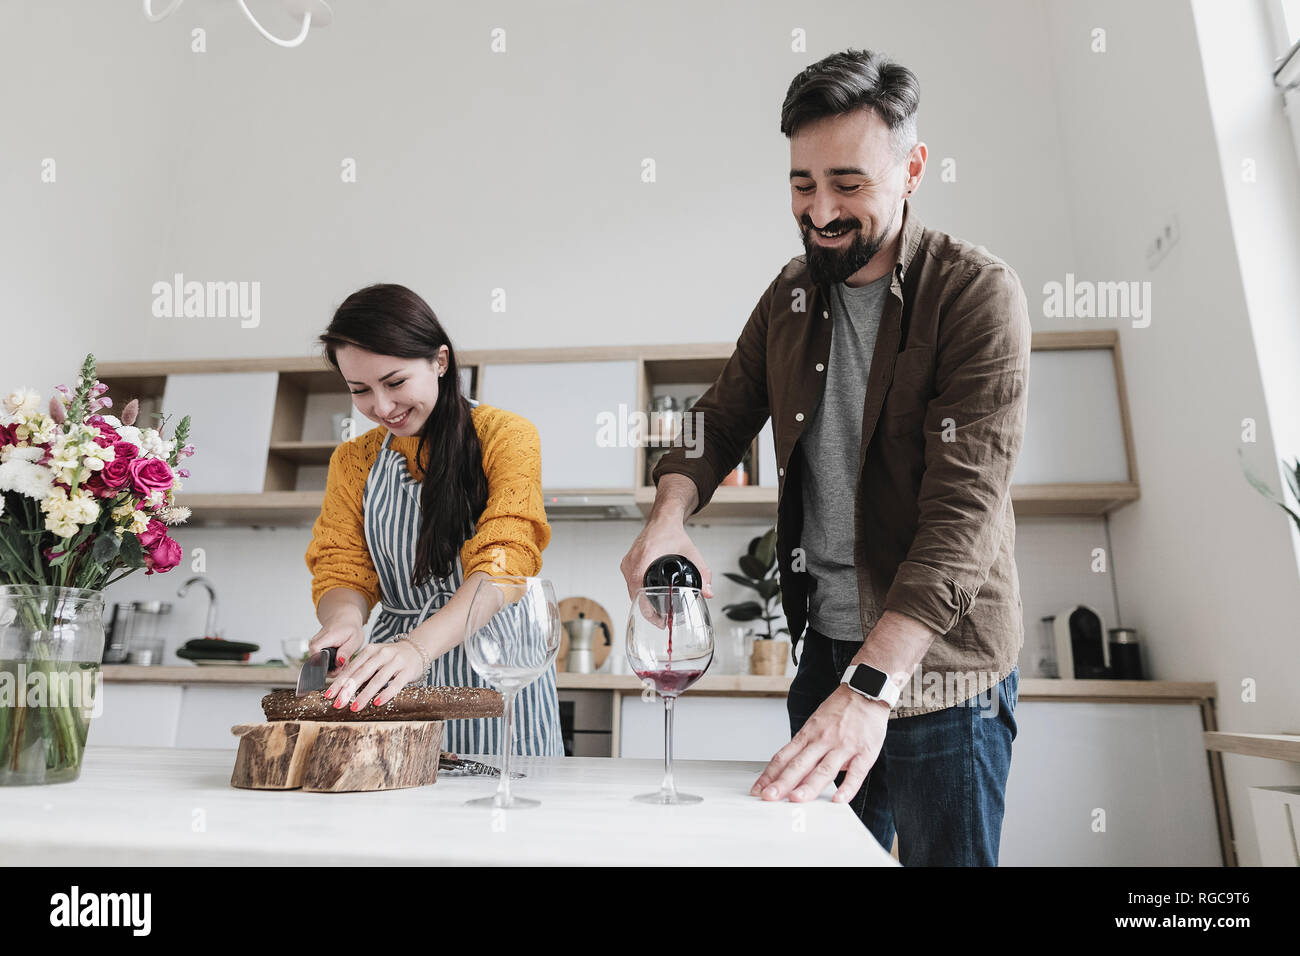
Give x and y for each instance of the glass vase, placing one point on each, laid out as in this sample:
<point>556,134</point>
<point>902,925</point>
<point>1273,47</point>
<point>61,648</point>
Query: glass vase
<point>51,644</point>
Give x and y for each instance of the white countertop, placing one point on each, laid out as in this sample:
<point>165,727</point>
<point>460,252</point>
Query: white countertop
<point>150,805</point>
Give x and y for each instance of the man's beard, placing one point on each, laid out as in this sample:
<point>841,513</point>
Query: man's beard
<point>829,265</point>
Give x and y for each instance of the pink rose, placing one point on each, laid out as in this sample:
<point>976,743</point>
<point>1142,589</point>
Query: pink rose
<point>124,451</point>
<point>151,535</point>
<point>149,475</point>
<point>115,474</point>
<point>95,485</point>
<point>107,433</point>
<point>166,554</point>
<point>8,435</point>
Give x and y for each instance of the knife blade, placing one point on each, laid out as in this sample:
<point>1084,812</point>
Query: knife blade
<point>314,671</point>
<point>455,766</point>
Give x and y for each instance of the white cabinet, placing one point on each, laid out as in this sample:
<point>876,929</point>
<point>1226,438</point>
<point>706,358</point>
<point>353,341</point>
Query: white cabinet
<point>1074,431</point>
<point>174,715</point>
<point>208,711</point>
<point>1109,784</point>
<point>1276,810</point>
<point>584,413</point>
<point>706,728</point>
<point>1091,784</point>
<point>136,715</point>
<point>230,427</point>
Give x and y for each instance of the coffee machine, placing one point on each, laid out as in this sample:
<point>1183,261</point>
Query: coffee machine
<point>1074,642</point>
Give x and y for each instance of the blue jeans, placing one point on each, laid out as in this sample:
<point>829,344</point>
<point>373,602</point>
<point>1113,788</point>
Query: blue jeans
<point>940,777</point>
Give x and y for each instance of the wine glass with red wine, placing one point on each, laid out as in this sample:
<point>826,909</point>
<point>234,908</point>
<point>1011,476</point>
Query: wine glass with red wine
<point>670,646</point>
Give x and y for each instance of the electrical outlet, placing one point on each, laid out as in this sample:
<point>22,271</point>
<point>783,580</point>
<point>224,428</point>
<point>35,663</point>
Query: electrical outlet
<point>1159,245</point>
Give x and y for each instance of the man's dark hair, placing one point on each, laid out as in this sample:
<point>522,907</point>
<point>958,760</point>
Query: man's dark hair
<point>853,80</point>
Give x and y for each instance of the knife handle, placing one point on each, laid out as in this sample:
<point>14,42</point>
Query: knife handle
<point>331,658</point>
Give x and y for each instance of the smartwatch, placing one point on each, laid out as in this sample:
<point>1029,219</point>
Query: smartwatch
<point>871,683</point>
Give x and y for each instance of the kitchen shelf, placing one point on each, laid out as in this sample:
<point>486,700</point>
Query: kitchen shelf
<point>746,503</point>
<point>1272,746</point>
<point>1091,500</point>
<point>305,382</point>
<point>741,503</point>
<point>304,452</point>
<point>264,509</point>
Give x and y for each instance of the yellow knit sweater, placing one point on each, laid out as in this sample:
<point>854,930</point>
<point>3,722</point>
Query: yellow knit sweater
<point>509,538</point>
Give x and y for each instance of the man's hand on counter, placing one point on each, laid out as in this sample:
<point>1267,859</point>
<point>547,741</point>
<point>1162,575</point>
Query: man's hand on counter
<point>845,733</point>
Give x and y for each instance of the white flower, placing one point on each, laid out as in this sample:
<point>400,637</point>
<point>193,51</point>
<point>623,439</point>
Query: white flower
<point>59,513</point>
<point>25,477</point>
<point>152,444</point>
<point>139,522</point>
<point>22,453</point>
<point>61,527</point>
<point>112,420</point>
<point>82,507</point>
<point>130,433</point>
<point>22,401</point>
<point>177,514</point>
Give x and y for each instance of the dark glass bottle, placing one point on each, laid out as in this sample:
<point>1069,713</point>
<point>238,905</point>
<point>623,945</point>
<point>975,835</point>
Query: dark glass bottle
<point>672,570</point>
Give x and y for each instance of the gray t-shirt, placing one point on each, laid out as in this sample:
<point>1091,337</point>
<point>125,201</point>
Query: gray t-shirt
<point>832,443</point>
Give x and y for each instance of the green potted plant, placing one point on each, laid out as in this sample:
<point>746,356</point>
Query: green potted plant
<point>1292,472</point>
<point>759,573</point>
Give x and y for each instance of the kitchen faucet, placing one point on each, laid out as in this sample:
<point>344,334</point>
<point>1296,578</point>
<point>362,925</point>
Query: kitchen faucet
<point>210,630</point>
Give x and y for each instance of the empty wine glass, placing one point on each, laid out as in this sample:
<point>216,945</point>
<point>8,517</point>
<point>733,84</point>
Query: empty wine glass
<point>669,644</point>
<point>512,635</point>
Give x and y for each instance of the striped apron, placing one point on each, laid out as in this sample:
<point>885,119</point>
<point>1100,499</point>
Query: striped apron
<point>391,505</point>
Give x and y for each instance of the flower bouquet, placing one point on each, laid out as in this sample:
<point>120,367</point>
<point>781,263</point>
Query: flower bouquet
<point>85,499</point>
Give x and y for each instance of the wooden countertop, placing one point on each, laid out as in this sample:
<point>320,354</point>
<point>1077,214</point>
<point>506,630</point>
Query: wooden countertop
<point>136,806</point>
<point>724,685</point>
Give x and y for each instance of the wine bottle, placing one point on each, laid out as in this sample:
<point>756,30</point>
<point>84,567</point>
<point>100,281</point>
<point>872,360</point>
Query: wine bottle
<point>672,571</point>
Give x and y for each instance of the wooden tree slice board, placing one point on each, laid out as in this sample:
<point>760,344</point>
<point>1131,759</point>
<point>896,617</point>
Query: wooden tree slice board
<point>574,607</point>
<point>337,757</point>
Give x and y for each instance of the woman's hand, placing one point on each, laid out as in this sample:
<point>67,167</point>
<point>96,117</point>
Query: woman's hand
<point>344,630</point>
<point>393,664</point>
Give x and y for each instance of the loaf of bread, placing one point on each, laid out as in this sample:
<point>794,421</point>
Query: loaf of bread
<point>409,703</point>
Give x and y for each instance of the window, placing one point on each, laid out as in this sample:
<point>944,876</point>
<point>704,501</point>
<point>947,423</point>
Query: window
<point>1285,16</point>
<point>1289,26</point>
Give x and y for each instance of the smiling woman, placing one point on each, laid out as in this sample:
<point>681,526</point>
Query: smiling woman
<point>417,511</point>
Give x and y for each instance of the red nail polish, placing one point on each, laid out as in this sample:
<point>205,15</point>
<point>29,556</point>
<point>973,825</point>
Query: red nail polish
<point>342,661</point>
<point>378,701</point>
<point>356,704</point>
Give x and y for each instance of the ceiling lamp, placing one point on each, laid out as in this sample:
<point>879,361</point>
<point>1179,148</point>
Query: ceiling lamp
<point>313,12</point>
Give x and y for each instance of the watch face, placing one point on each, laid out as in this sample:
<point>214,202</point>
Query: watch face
<point>868,680</point>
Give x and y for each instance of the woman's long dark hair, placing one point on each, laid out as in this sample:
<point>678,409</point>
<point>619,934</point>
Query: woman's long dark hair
<point>392,320</point>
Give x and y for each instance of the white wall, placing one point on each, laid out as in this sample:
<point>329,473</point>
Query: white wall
<point>1205,568</point>
<point>476,171</point>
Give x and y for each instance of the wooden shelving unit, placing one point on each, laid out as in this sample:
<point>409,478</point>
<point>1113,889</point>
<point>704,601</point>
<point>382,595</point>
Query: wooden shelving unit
<point>1271,746</point>
<point>308,385</point>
